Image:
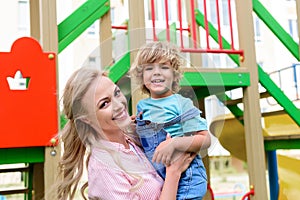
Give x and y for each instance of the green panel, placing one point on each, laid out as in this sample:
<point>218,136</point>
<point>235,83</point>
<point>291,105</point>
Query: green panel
<point>22,155</point>
<point>80,20</point>
<point>215,79</point>
<point>63,121</point>
<point>162,36</point>
<point>120,68</point>
<point>275,27</point>
<point>271,145</point>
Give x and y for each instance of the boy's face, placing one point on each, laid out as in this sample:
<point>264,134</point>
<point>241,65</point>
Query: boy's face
<point>158,78</point>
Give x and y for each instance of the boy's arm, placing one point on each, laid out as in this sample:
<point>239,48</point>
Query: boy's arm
<point>194,143</point>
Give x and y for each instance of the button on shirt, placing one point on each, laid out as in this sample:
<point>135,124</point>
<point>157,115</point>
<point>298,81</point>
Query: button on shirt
<point>118,173</point>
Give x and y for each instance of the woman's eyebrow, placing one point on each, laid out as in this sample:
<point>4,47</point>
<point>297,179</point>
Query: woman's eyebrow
<point>100,100</point>
<point>104,98</point>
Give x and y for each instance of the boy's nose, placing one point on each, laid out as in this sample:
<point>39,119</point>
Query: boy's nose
<point>156,70</point>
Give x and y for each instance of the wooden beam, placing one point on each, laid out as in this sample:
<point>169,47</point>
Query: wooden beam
<point>252,116</point>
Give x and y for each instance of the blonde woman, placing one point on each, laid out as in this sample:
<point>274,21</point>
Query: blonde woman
<point>98,123</point>
<point>165,112</point>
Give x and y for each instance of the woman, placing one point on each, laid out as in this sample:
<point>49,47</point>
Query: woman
<point>99,125</point>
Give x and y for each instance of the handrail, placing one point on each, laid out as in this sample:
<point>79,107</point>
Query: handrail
<point>250,193</point>
<point>80,20</point>
<point>294,73</point>
<point>276,28</point>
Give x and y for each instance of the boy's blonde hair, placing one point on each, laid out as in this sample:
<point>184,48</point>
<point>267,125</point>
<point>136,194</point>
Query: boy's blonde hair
<point>157,52</point>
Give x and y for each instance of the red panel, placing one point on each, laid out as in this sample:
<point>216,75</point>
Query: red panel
<point>28,117</point>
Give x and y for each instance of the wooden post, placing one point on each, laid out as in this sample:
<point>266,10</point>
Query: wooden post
<point>137,38</point>
<point>35,19</point>
<point>49,42</point>
<point>252,116</point>
<point>105,41</point>
<point>204,153</point>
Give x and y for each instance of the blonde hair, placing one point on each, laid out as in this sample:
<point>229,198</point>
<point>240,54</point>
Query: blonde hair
<point>157,52</point>
<point>77,135</point>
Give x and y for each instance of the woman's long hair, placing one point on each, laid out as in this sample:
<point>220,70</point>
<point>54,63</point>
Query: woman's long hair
<point>78,136</point>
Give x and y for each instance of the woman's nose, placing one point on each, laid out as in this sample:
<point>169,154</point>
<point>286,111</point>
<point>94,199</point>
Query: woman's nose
<point>117,104</point>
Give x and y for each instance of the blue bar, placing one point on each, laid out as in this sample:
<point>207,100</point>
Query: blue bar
<point>273,174</point>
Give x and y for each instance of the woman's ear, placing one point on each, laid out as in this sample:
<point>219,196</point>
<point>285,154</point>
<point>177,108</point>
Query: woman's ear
<point>85,120</point>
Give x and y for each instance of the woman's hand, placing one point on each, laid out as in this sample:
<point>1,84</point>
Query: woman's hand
<point>181,162</point>
<point>164,152</point>
<point>133,122</point>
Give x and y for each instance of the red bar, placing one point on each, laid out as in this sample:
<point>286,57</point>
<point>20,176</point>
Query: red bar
<point>193,24</point>
<point>228,51</point>
<point>167,21</point>
<point>153,20</point>
<point>206,25</point>
<point>119,27</point>
<point>180,23</point>
<point>184,29</point>
<point>219,25</point>
<point>230,24</point>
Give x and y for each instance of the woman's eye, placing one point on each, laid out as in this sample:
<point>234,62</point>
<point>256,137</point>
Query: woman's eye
<point>102,105</point>
<point>117,92</point>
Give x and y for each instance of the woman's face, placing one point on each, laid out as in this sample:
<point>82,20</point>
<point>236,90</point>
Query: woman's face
<point>110,106</point>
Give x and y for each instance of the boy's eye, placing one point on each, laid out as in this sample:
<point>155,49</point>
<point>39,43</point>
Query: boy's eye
<point>148,68</point>
<point>165,67</point>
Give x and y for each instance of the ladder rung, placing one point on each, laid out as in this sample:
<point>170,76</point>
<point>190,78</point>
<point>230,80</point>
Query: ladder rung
<point>240,100</point>
<point>14,191</point>
<point>15,169</point>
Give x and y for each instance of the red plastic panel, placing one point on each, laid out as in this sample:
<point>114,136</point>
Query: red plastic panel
<point>28,113</point>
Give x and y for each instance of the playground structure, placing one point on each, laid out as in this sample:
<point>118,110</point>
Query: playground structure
<point>204,81</point>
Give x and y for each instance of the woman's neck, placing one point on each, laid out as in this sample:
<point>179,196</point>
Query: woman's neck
<point>119,137</point>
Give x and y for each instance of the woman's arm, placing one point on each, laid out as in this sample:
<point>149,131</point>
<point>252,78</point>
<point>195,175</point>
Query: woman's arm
<point>173,173</point>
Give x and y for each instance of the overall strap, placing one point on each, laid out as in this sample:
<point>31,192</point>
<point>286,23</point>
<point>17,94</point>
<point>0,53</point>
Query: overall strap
<point>193,112</point>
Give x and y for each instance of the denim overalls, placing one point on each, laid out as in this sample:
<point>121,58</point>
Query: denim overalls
<point>193,182</point>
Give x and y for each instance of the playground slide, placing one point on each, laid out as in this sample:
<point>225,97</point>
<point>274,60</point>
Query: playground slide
<point>230,133</point>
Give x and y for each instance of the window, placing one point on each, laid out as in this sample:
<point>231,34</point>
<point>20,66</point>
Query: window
<point>257,31</point>
<point>23,17</point>
<point>213,12</point>
<point>293,30</point>
<point>225,12</point>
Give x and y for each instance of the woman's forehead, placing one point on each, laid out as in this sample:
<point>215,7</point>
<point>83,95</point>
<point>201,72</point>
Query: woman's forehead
<point>102,86</point>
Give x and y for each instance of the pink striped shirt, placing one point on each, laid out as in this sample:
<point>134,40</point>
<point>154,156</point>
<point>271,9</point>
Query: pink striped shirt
<point>131,179</point>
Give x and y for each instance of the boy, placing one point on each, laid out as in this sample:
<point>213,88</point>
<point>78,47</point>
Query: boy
<point>157,70</point>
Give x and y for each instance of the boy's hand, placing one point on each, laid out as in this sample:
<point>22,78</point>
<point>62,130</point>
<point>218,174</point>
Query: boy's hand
<point>164,152</point>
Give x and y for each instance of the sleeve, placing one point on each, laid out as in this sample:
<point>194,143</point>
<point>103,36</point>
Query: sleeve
<point>138,108</point>
<point>109,184</point>
<point>197,123</point>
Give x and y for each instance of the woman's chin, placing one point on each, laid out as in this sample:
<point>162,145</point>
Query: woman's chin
<point>124,123</point>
